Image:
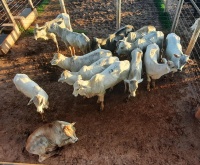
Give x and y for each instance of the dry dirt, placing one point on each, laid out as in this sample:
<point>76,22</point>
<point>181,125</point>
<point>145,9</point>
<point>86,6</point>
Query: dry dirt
<point>156,127</point>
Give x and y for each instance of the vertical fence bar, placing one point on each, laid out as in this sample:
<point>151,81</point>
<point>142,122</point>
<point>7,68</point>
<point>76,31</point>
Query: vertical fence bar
<point>166,5</point>
<point>7,10</point>
<point>62,5</point>
<point>118,13</point>
<point>177,15</point>
<point>31,3</point>
<point>193,39</point>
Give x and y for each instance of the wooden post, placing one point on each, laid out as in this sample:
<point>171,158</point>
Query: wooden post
<point>118,13</point>
<point>62,5</point>
<point>193,39</point>
<point>177,15</point>
<point>166,5</point>
<point>7,10</point>
<point>31,3</point>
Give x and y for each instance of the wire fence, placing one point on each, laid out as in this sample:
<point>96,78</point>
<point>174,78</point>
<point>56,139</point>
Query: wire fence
<point>16,7</point>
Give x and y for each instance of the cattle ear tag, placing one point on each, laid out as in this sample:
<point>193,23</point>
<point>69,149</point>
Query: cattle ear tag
<point>176,55</point>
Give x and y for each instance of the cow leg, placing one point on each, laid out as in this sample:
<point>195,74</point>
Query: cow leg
<point>101,100</point>
<point>53,37</point>
<point>70,48</point>
<point>46,156</point>
<point>125,87</point>
<point>153,83</point>
<point>148,82</point>
<point>73,49</point>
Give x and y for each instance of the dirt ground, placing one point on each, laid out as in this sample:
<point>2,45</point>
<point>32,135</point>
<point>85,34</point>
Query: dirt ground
<point>156,127</point>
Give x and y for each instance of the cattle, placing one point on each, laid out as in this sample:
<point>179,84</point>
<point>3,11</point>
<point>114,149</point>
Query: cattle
<point>174,51</point>
<point>133,36</point>
<point>155,70</point>
<point>71,39</point>
<point>110,42</point>
<point>86,72</point>
<point>45,140</point>
<point>194,26</point>
<point>43,31</point>
<point>32,90</point>
<point>98,84</point>
<point>75,63</point>
<point>135,73</point>
<point>125,48</point>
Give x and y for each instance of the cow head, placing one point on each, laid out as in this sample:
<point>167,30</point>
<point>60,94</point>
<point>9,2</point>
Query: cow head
<point>123,47</point>
<point>53,28</point>
<point>133,86</point>
<point>40,32</point>
<point>80,87</point>
<point>69,131</point>
<point>181,60</point>
<point>39,102</point>
<point>65,74</point>
<point>56,58</point>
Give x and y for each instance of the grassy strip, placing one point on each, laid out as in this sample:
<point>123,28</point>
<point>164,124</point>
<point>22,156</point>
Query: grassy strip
<point>40,8</point>
<point>164,17</point>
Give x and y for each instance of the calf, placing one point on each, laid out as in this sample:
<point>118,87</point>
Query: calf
<point>133,36</point>
<point>134,77</point>
<point>43,31</point>
<point>126,48</point>
<point>71,39</point>
<point>110,42</point>
<point>32,90</point>
<point>154,70</point>
<point>86,72</point>
<point>174,52</point>
<point>98,84</point>
<point>75,63</point>
<point>46,139</point>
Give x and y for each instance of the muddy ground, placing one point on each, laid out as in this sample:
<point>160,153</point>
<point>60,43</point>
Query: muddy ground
<point>156,127</point>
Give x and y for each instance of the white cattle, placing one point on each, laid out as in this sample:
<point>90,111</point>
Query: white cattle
<point>98,84</point>
<point>174,52</point>
<point>32,90</point>
<point>135,73</point>
<point>75,63</point>
<point>43,31</point>
<point>46,139</point>
<point>133,36</point>
<point>86,72</point>
<point>154,70</point>
<point>71,39</point>
<point>152,37</point>
<point>193,27</point>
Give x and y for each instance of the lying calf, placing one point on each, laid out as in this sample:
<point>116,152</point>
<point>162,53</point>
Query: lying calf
<point>46,139</point>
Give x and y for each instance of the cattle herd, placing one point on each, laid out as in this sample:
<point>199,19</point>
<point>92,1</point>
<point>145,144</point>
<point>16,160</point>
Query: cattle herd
<point>97,70</point>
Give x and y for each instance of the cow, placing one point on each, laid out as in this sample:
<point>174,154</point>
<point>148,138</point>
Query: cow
<point>45,140</point>
<point>43,31</point>
<point>155,70</point>
<point>75,63</point>
<point>98,84</point>
<point>135,73</point>
<point>32,90</point>
<point>86,72</point>
<point>174,52</point>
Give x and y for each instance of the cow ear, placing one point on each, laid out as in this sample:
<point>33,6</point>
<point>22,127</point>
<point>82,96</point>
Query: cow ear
<point>139,81</point>
<point>176,55</point>
<point>72,124</point>
<point>31,101</point>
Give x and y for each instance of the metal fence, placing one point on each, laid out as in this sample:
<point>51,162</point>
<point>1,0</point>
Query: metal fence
<point>16,7</point>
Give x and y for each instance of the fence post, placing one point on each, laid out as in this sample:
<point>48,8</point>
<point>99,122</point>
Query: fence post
<point>118,13</point>
<point>166,5</point>
<point>31,3</point>
<point>177,15</point>
<point>7,10</point>
<point>193,39</point>
<point>62,5</point>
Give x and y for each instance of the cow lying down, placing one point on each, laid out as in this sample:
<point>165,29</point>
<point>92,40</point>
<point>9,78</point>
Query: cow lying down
<point>98,84</point>
<point>46,139</point>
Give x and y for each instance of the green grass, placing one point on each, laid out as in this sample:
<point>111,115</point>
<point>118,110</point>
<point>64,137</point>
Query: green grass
<point>40,8</point>
<point>164,17</point>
